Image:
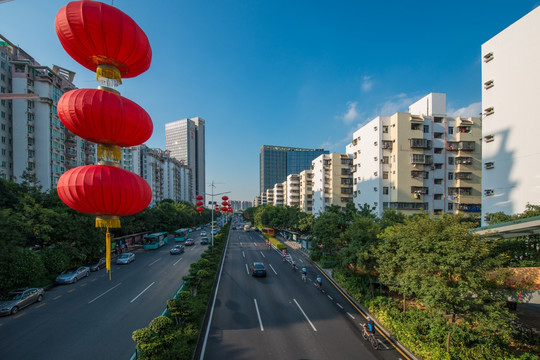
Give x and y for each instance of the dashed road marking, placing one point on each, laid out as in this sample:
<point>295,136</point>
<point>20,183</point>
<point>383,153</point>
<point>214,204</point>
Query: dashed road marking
<point>272,269</point>
<point>310,323</point>
<point>331,298</point>
<point>258,314</point>
<point>58,297</point>
<point>247,270</point>
<point>262,254</point>
<point>70,291</point>
<point>348,313</point>
<point>339,306</point>
<point>243,254</point>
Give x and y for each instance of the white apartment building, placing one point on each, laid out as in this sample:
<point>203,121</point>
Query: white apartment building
<point>185,139</point>
<point>332,181</point>
<point>420,161</point>
<point>293,190</point>
<point>306,191</point>
<point>278,194</point>
<point>270,196</point>
<point>511,84</point>
<point>32,138</point>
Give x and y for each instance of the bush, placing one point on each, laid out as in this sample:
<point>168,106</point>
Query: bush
<point>20,268</point>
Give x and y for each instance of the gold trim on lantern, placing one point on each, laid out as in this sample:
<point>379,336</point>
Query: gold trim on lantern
<point>108,221</point>
<point>111,90</point>
<point>109,152</point>
<point>108,75</point>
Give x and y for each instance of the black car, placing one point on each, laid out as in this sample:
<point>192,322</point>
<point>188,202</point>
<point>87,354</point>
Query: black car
<point>96,264</point>
<point>258,269</point>
<point>204,241</point>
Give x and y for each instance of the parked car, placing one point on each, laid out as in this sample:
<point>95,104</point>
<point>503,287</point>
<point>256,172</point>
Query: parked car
<point>177,249</point>
<point>189,242</point>
<point>15,300</point>
<point>203,233</point>
<point>258,269</point>
<point>96,264</point>
<point>204,241</point>
<point>125,258</point>
<point>72,275</point>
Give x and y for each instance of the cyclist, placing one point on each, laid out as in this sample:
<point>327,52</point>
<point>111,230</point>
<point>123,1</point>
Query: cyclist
<point>293,264</point>
<point>319,282</point>
<point>370,326</point>
<point>304,274</point>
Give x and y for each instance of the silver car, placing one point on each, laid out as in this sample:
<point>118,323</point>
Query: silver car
<point>72,275</point>
<point>125,258</point>
<point>18,299</point>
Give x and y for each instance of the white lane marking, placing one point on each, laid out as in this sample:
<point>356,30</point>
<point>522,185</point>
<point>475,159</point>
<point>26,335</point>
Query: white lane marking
<point>348,313</point>
<point>301,260</point>
<point>262,254</point>
<point>244,255</point>
<point>331,298</point>
<point>177,261</point>
<point>258,314</point>
<point>154,262</point>
<point>339,306</point>
<point>104,293</point>
<point>273,269</point>
<point>383,344</point>
<point>241,244</point>
<point>310,323</point>
<point>247,270</point>
<point>142,292</point>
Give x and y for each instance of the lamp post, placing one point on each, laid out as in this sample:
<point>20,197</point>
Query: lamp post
<point>212,202</point>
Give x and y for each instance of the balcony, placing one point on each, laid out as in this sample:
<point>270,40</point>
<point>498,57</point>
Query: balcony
<point>464,160</point>
<point>460,146</point>
<point>463,176</point>
<point>459,191</point>
<point>419,174</point>
<point>469,207</point>
<point>421,159</point>
<point>387,145</point>
<point>420,144</point>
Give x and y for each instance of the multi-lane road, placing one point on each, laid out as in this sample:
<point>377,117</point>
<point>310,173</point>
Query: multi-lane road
<point>280,316</point>
<point>95,317</point>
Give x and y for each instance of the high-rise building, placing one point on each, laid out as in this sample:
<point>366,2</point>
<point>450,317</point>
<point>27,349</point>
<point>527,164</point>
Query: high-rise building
<point>185,139</point>
<point>293,190</point>
<point>332,181</point>
<point>510,70</point>
<point>306,191</point>
<point>32,138</point>
<point>420,161</point>
<point>278,162</point>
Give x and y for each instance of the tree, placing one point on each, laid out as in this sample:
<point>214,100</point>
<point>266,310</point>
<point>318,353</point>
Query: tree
<point>327,230</point>
<point>446,268</point>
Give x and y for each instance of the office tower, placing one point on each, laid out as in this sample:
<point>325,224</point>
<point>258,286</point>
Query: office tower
<point>511,84</point>
<point>332,181</point>
<point>185,139</point>
<point>419,162</point>
<point>277,162</point>
<point>32,138</point>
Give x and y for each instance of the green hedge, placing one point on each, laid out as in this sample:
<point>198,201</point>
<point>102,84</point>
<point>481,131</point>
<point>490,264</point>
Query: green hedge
<point>275,242</point>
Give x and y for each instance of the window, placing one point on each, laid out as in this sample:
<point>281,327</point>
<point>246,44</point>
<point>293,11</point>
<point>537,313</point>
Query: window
<point>385,175</point>
<point>437,181</point>
<point>437,150</point>
<point>450,206</point>
<point>450,130</point>
<point>385,129</point>
<point>426,129</point>
<point>450,176</point>
<point>450,160</point>
<point>438,135</point>
<point>437,197</point>
<point>438,119</point>
<point>385,190</point>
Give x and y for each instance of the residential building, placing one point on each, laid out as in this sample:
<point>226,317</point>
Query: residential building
<point>332,181</point>
<point>270,196</point>
<point>293,190</point>
<point>418,162</point>
<point>306,191</point>
<point>277,162</point>
<point>511,83</point>
<point>32,138</point>
<point>257,201</point>
<point>278,194</point>
<point>185,139</point>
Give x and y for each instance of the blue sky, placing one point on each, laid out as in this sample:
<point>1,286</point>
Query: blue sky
<point>291,73</point>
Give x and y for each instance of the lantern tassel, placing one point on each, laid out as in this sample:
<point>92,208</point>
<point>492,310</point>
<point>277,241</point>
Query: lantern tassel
<point>108,222</point>
<point>108,253</point>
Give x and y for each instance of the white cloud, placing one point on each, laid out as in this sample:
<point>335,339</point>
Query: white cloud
<point>473,109</point>
<point>400,103</point>
<point>367,83</point>
<point>352,113</point>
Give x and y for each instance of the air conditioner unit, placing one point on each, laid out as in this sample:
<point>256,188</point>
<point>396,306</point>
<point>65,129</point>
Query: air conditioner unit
<point>432,167</point>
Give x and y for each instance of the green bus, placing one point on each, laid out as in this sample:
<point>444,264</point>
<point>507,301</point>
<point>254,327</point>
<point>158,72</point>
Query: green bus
<point>155,240</point>
<point>180,235</point>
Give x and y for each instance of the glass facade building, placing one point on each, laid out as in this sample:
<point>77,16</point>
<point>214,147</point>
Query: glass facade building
<point>277,162</point>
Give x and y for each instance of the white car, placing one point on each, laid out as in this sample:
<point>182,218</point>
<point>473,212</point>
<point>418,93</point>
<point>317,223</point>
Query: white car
<point>203,233</point>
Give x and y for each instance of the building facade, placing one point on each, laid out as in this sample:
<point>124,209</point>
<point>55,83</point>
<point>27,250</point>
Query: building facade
<point>510,177</point>
<point>418,162</point>
<point>278,162</point>
<point>293,190</point>
<point>185,139</point>
<point>306,191</point>
<point>332,181</point>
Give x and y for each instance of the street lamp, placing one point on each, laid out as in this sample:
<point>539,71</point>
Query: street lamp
<point>212,202</point>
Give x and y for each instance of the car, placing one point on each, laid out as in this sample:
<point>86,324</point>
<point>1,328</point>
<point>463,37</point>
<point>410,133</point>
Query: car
<point>204,241</point>
<point>198,228</point>
<point>203,233</point>
<point>72,275</point>
<point>213,232</point>
<point>96,264</point>
<point>258,269</point>
<point>15,300</point>
<point>189,242</point>
<point>177,249</point>
<point>125,258</point>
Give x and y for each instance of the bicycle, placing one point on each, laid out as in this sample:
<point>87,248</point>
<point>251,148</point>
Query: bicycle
<point>304,277</point>
<point>370,337</point>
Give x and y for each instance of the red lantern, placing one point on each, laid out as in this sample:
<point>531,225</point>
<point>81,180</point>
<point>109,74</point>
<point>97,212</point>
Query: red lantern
<point>225,198</point>
<point>103,190</point>
<point>224,209</point>
<point>199,203</point>
<point>200,209</point>
<point>103,39</point>
<point>224,203</point>
<point>199,197</point>
<point>104,117</point>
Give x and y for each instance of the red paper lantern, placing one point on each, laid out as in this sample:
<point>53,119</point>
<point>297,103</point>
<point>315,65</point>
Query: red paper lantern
<point>225,198</point>
<point>199,197</point>
<point>104,117</point>
<point>104,190</point>
<point>224,203</point>
<point>199,203</point>
<point>200,209</point>
<point>223,209</point>
<point>97,34</point>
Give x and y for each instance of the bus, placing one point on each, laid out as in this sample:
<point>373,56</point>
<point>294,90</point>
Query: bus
<point>180,235</point>
<point>268,231</point>
<point>155,240</point>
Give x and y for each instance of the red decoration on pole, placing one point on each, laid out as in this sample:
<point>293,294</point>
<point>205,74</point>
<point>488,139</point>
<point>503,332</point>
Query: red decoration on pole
<point>225,198</point>
<point>199,197</point>
<point>104,117</point>
<point>103,39</point>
